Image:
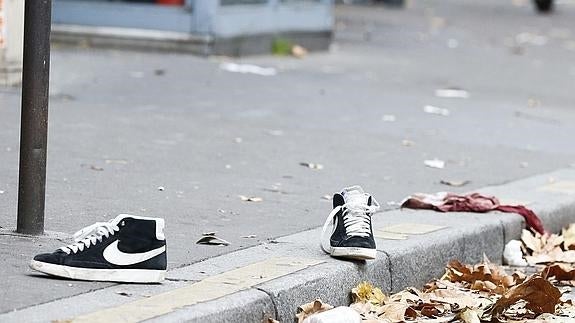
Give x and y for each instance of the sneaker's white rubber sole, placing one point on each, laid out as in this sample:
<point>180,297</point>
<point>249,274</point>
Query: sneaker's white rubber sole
<point>113,275</point>
<point>352,252</point>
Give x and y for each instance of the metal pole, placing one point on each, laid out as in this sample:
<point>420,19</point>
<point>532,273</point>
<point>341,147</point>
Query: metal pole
<point>34,122</point>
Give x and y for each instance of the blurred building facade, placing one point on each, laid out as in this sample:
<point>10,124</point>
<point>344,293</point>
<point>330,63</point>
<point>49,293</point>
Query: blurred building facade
<point>222,27</point>
<point>11,41</point>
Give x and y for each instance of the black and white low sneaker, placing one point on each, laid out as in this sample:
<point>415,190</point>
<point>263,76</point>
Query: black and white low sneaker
<point>127,249</point>
<point>351,235</point>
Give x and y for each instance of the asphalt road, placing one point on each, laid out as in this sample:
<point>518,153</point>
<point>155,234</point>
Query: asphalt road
<point>123,124</point>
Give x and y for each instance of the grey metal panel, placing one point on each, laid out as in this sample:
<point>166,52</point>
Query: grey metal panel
<point>280,17</point>
<point>239,2</point>
<point>208,17</point>
<point>119,14</point>
<point>204,12</point>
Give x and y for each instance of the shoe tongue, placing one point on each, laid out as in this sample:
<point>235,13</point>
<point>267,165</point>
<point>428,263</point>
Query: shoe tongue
<point>352,189</point>
<point>357,199</point>
<point>355,195</point>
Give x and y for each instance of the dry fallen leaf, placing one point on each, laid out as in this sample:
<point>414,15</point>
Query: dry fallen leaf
<point>561,272</point>
<point>565,309</point>
<point>367,311</point>
<point>485,276</point>
<point>396,312</point>
<point>454,183</point>
<point>429,310</point>
<point>556,255</point>
<point>127,294</point>
<point>93,167</point>
<point>365,292</point>
<point>405,296</point>
<point>362,292</point>
<point>308,309</point>
<point>469,316</point>
<point>210,238</point>
<point>312,165</point>
<point>538,295</point>
<point>298,51</point>
<point>378,297</point>
<point>569,236</point>
<point>484,292</point>
<point>456,298</point>
<point>545,248</point>
<point>531,241</point>
<point>250,198</point>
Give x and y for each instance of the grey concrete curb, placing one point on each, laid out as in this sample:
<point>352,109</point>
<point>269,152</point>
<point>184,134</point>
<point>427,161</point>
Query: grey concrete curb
<point>400,263</point>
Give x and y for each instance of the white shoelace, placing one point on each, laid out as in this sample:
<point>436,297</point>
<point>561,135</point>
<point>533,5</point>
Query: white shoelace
<point>91,235</point>
<point>356,217</point>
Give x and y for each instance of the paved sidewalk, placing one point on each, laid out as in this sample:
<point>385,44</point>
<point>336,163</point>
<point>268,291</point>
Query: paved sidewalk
<point>273,279</point>
<point>124,123</point>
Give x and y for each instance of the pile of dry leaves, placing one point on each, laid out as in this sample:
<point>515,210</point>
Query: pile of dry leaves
<point>480,293</point>
<point>549,248</point>
<point>485,292</point>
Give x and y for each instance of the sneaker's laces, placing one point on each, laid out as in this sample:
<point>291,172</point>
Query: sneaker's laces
<point>90,235</point>
<point>356,217</point>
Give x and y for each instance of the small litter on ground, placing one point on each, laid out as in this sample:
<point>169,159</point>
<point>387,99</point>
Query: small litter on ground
<point>248,69</point>
<point>407,143</point>
<point>454,183</point>
<point>124,294</point>
<point>210,238</point>
<point>275,133</point>
<point>434,163</point>
<point>530,39</point>
<point>388,118</point>
<point>436,110</point>
<point>312,165</point>
<point>250,198</point>
<point>299,51</point>
<point>116,161</point>
<point>92,167</point>
<point>452,93</point>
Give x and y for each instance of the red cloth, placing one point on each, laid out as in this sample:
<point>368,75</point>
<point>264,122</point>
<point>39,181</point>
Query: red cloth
<point>475,202</point>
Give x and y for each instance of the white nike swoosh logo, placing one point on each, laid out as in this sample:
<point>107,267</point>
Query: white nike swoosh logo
<point>113,255</point>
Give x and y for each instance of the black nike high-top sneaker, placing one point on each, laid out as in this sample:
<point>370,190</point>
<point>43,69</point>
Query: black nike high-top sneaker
<point>351,233</point>
<point>127,249</point>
